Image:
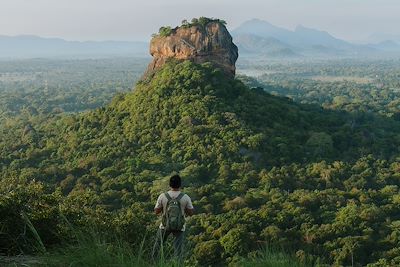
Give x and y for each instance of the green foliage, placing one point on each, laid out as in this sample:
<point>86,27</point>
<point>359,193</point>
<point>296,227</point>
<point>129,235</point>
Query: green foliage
<point>260,169</point>
<point>95,249</point>
<point>200,22</point>
<point>208,253</point>
<point>203,21</point>
<point>33,87</point>
<point>320,144</point>
<point>268,257</point>
<point>29,215</point>
<point>358,85</point>
<point>165,31</point>
<point>236,241</point>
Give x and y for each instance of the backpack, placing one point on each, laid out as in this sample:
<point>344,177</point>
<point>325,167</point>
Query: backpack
<point>173,219</point>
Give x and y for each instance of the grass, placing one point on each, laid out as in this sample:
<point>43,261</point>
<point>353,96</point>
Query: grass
<point>93,252</point>
<point>94,249</point>
<point>269,257</point>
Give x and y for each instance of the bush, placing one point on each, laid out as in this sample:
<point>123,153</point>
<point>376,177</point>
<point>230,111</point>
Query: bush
<point>165,31</point>
<point>208,253</point>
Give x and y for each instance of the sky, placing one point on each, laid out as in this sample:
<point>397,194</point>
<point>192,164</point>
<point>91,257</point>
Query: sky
<point>135,20</point>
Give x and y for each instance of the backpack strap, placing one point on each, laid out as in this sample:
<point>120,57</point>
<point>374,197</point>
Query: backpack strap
<point>168,196</point>
<point>180,196</point>
<point>177,198</point>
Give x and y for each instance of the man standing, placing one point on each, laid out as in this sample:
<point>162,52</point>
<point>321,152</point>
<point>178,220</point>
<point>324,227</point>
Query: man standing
<point>173,205</point>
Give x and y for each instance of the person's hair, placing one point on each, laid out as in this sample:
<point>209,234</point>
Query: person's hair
<point>175,181</point>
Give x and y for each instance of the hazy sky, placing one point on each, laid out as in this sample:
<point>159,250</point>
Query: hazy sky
<point>137,20</point>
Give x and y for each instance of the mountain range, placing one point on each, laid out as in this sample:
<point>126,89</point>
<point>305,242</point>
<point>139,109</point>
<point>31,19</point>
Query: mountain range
<point>258,37</point>
<point>28,46</point>
<point>253,37</point>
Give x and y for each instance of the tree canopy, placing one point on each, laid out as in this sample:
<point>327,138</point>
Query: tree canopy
<point>261,169</point>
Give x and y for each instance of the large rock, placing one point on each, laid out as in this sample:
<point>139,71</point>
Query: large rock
<point>200,44</point>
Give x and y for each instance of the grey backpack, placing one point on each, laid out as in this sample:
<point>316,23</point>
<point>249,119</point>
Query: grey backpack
<point>173,219</point>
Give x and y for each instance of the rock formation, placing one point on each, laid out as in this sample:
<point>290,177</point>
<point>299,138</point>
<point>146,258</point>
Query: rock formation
<point>199,43</point>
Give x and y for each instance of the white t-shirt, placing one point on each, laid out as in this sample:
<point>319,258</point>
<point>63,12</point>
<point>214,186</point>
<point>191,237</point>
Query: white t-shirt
<point>186,203</point>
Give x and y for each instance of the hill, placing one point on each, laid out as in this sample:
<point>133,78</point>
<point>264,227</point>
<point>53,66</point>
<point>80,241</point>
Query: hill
<point>302,41</point>
<point>249,160</point>
<point>300,37</point>
<point>379,37</point>
<point>254,45</point>
<point>389,46</point>
<point>202,40</point>
<point>261,169</point>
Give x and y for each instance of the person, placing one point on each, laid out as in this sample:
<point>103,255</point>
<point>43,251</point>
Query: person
<point>172,223</point>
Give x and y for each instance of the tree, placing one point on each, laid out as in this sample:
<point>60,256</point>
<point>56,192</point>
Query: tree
<point>320,145</point>
<point>208,253</point>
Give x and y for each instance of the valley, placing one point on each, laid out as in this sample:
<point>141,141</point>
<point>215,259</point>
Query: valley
<point>297,161</point>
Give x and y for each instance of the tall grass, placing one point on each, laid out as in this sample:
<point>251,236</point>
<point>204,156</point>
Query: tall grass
<point>269,257</point>
<point>37,243</point>
<point>94,250</point>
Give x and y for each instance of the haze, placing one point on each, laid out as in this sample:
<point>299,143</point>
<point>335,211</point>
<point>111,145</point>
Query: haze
<point>353,20</point>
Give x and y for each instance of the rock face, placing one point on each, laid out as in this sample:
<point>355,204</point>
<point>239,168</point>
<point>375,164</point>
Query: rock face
<point>200,44</point>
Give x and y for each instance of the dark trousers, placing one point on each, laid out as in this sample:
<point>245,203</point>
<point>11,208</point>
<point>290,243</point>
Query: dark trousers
<point>162,236</point>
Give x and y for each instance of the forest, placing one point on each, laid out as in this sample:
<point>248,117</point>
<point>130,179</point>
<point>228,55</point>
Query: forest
<point>350,85</point>
<point>303,158</point>
<point>44,86</point>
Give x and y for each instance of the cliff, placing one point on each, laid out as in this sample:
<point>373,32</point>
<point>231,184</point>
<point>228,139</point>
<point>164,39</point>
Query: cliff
<point>210,42</point>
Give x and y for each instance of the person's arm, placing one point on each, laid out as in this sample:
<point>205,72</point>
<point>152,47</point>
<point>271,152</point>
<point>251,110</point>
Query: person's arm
<point>189,212</point>
<point>159,207</point>
<point>158,210</point>
<point>189,209</point>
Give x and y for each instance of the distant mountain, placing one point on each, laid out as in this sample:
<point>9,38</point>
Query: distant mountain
<point>383,37</point>
<point>386,46</point>
<point>250,44</point>
<point>29,46</point>
<point>254,38</point>
<point>262,29</point>
<point>301,36</point>
<point>301,42</point>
